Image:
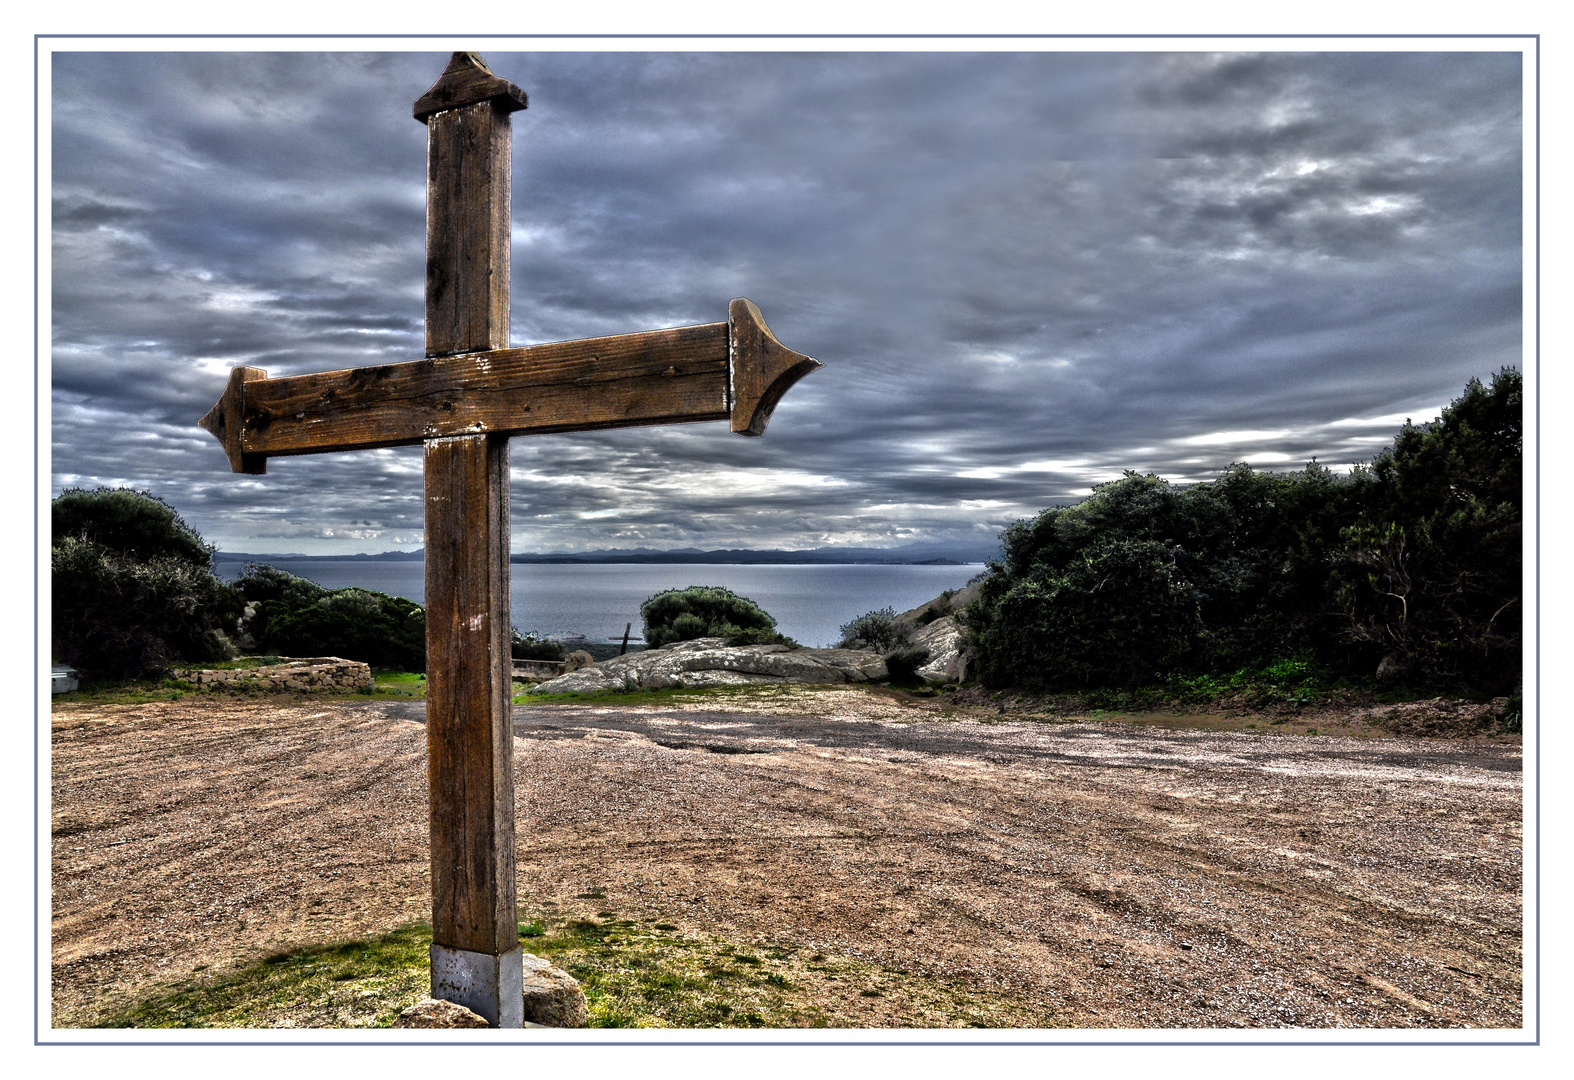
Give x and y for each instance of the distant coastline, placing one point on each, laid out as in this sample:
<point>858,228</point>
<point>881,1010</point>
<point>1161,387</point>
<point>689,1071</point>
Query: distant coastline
<point>810,600</point>
<point>939,554</point>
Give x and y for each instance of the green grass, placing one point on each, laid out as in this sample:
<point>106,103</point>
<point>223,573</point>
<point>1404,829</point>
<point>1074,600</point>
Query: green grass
<point>1289,683</point>
<point>386,686</point>
<point>1294,682</point>
<point>134,692</point>
<point>634,975</point>
<point>398,684</point>
<point>364,983</point>
<point>237,664</point>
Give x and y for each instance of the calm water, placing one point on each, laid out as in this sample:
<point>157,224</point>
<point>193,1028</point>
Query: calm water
<point>810,602</point>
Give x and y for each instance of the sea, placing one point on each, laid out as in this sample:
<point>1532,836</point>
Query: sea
<point>597,600</point>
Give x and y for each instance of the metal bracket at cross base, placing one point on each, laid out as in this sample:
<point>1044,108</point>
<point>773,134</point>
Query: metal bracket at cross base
<point>463,401</point>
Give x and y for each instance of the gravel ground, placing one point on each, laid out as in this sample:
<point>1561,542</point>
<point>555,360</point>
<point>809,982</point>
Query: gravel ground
<point>1113,875</point>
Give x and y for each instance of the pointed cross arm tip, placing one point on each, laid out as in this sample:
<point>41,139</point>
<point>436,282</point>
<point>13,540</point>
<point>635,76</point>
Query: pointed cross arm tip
<point>763,369</point>
<point>734,370</point>
<point>468,81</point>
<point>226,421</point>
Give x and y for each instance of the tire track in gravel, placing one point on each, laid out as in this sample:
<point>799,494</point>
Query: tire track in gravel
<point>1117,876</point>
<point>1114,800</point>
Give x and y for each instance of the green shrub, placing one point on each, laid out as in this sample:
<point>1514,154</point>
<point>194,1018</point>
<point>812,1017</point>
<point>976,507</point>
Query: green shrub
<point>294,616</point>
<point>134,524</point>
<point>700,611</point>
<point>759,636</point>
<point>1414,560</point>
<point>132,588</point>
<point>1512,718</point>
<point>531,647</point>
<point>116,617</point>
<point>877,630</point>
<point>1121,611</point>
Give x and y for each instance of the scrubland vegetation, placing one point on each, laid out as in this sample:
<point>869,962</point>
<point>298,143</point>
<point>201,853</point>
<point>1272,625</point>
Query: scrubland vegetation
<point>1409,566</point>
<point>1407,570</point>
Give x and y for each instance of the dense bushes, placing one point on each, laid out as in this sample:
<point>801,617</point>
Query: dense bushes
<point>134,593</point>
<point>133,524</point>
<point>1414,561</point>
<point>531,647</point>
<point>132,588</point>
<point>876,630</point>
<point>292,616</point>
<point>883,632</point>
<point>1435,558</point>
<point>705,611</point>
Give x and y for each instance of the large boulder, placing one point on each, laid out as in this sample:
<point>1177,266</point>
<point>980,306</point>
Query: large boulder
<point>707,662</point>
<point>947,656</point>
<point>437,1013</point>
<point>553,997</point>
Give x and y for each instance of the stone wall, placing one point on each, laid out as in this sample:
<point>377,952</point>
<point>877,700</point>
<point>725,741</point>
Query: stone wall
<point>316,674</point>
<point>537,669</point>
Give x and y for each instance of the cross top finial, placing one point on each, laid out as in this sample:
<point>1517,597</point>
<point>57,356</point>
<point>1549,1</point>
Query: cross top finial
<point>467,81</point>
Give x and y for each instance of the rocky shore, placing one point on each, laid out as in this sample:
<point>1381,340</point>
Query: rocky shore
<point>706,662</point>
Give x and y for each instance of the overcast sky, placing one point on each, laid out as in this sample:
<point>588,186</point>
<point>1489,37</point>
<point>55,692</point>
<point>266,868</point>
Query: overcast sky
<point>1024,272</point>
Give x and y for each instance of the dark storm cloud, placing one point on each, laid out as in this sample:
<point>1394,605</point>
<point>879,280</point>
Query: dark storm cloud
<point>1025,273</point>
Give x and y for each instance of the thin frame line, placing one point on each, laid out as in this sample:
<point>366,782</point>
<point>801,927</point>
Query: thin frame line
<point>40,38</point>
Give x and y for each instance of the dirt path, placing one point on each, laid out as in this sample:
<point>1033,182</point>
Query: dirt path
<point>1117,876</point>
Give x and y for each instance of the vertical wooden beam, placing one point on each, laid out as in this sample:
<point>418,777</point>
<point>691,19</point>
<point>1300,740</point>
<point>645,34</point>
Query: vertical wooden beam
<point>469,731</point>
<point>468,161</point>
<point>476,960</point>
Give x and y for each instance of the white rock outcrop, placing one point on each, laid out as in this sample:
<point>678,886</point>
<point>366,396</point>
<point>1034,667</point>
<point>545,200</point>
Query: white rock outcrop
<point>947,657</point>
<point>711,662</point>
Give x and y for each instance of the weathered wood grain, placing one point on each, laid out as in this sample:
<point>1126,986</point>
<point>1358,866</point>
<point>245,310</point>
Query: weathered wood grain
<point>227,423</point>
<point>467,230</point>
<point>469,674</point>
<point>656,377</point>
<point>469,669</point>
<point>763,369</point>
<point>467,81</point>
<point>470,394</point>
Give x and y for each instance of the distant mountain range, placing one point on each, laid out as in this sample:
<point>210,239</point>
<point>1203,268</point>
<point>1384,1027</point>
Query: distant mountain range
<point>941,553</point>
<point>418,555</point>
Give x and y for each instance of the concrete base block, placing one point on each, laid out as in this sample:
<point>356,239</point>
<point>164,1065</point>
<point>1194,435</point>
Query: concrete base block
<point>490,986</point>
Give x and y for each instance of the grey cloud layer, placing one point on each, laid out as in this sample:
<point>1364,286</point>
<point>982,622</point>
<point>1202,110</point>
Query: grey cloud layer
<point>1025,272</point>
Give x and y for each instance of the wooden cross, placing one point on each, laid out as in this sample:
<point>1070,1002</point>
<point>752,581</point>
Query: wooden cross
<point>463,401</point>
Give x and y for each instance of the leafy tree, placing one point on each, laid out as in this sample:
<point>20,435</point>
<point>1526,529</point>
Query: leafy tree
<point>132,588</point>
<point>1415,558</point>
<point>134,524</point>
<point>531,647</point>
<point>876,630</point>
<point>702,611</point>
<point>1433,571</point>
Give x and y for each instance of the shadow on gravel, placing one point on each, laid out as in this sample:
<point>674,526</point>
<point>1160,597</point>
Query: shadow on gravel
<point>1108,746</point>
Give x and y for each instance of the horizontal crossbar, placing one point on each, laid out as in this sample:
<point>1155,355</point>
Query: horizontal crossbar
<point>733,370</point>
